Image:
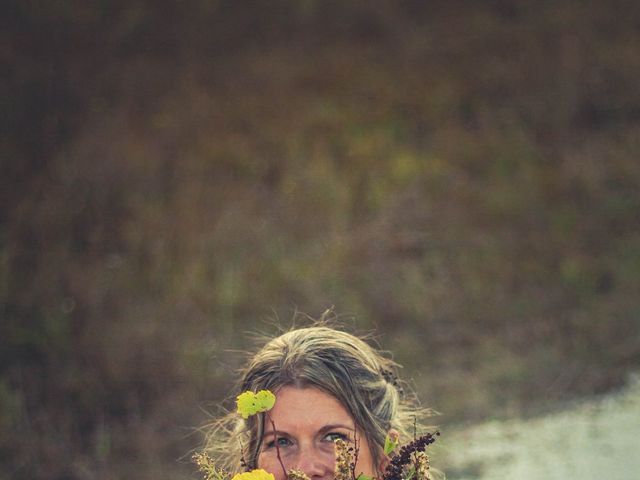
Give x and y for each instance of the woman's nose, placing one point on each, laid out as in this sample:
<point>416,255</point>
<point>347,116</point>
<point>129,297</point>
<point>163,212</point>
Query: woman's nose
<point>315,465</point>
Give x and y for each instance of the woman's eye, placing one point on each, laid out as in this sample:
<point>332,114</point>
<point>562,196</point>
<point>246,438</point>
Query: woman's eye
<point>333,436</point>
<point>282,442</point>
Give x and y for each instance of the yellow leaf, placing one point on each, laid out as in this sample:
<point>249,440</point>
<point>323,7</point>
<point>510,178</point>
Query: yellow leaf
<point>266,400</point>
<point>247,404</point>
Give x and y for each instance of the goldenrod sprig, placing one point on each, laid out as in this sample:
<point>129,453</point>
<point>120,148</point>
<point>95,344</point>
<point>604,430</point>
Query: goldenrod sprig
<point>208,468</point>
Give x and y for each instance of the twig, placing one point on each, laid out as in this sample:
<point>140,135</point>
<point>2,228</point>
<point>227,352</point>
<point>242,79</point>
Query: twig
<point>275,442</point>
<point>415,435</point>
<point>415,428</point>
<point>356,451</point>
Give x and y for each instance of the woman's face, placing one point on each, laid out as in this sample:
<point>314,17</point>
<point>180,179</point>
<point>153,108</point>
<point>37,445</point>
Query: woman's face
<point>307,422</point>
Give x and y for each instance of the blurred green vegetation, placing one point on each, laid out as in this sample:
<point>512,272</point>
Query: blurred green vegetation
<point>459,176</point>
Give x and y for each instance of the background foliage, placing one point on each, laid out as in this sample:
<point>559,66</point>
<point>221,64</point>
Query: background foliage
<point>461,176</point>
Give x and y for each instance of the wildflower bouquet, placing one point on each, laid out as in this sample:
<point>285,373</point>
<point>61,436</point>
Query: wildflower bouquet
<point>407,462</point>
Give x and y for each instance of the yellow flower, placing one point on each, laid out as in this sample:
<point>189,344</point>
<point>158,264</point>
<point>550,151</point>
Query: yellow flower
<point>250,403</point>
<point>258,474</point>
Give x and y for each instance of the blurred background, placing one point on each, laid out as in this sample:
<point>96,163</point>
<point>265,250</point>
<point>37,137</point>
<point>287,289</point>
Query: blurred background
<point>459,176</point>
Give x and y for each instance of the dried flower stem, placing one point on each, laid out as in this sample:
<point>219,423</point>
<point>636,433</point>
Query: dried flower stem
<point>422,466</point>
<point>343,470</point>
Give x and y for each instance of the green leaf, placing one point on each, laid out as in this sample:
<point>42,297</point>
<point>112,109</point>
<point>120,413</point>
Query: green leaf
<point>247,404</point>
<point>265,400</point>
<point>390,443</point>
<point>250,403</point>
<point>411,473</point>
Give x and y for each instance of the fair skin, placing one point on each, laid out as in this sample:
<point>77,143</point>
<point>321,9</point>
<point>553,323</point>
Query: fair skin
<point>307,422</point>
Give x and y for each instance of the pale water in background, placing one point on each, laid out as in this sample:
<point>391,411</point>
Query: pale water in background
<point>599,439</point>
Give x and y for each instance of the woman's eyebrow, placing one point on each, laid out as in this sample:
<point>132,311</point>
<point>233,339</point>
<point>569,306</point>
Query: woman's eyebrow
<point>325,428</point>
<point>333,426</point>
<point>274,432</point>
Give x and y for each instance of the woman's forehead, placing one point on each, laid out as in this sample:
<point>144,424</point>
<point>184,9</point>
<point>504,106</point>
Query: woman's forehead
<point>308,407</point>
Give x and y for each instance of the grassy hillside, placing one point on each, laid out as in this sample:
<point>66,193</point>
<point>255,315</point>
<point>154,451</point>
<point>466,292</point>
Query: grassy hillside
<point>460,176</point>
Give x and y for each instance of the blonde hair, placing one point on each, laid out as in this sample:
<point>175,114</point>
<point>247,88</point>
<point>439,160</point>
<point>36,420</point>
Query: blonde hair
<point>346,367</point>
